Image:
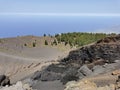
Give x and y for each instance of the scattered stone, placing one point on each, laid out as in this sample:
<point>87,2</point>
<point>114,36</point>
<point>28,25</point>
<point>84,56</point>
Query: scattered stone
<point>87,85</point>
<point>18,86</point>
<point>116,72</point>
<point>2,77</point>
<point>81,85</point>
<point>70,75</point>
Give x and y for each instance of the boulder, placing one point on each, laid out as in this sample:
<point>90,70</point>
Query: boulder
<point>70,75</point>
<point>36,75</point>
<point>2,77</point>
<point>46,76</point>
<point>110,67</point>
<point>81,85</point>
<point>98,69</point>
<point>87,85</point>
<point>116,72</point>
<point>50,76</point>
<point>85,70</point>
<point>4,80</point>
<point>18,86</point>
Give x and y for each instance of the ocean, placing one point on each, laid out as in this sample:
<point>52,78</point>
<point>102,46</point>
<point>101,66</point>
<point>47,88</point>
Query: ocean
<point>19,25</point>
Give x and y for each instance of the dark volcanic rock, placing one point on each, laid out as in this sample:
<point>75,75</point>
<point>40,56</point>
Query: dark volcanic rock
<point>46,75</point>
<point>103,49</point>
<point>57,68</point>
<point>85,70</point>
<point>50,76</point>
<point>84,62</point>
<point>68,78</point>
<point>2,77</point>
<point>69,75</point>
<point>4,80</point>
<point>98,69</point>
<point>36,76</point>
<point>49,85</point>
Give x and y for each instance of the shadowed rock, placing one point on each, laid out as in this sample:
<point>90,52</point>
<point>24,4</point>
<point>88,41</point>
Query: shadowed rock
<point>4,80</point>
<point>85,70</point>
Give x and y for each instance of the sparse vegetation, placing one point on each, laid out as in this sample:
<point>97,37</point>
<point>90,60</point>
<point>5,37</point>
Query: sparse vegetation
<point>34,44</point>
<point>25,44</point>
<point>46,42</point>
<point>54,42</point>
<point>79,39</point>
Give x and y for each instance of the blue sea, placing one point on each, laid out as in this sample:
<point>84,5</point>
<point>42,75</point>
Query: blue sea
<point>13,25</point>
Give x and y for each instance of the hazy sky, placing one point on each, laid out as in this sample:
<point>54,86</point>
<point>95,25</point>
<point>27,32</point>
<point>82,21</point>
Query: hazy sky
<point>60,6</point>
<point>36,17</point>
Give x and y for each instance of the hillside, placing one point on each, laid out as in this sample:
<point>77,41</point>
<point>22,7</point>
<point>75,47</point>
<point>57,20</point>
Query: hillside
<point>22,56</point>
<point>19,43</point>
<point>48,58</point>
<point>30,46</point>
<point>95,62</point>
<point>61,41</point>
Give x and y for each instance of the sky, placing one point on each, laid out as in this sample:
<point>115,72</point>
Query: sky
<point>22,9</point>
<point>60,6</point>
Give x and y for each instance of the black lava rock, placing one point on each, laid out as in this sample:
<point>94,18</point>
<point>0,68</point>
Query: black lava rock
<point>4,80</point>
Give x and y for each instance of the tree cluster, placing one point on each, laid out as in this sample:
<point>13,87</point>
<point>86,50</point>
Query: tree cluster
<point>79,39</point>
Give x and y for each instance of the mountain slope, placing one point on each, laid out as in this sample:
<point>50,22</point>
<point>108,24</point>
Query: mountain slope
<point>97,59</point>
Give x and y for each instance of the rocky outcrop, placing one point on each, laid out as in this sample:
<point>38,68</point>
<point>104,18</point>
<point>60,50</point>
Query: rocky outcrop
<point>107,49</point>
<point>87,61</point>
<point>105,81</point>
<point>116,72</point>
<point>56,72</point>
<point>85,70</point>
<point>18,86</point>
<point>82,85</point>
<point>4,80</point>
<point>87,85</point>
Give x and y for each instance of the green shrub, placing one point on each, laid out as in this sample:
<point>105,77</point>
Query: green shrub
<point>55,42</point>
<point>34,44</point>
<point>46,43</point>
<point>78,38</point>
<point>25,44</point>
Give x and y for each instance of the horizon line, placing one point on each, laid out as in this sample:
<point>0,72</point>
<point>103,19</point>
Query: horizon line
<point>62,14</point>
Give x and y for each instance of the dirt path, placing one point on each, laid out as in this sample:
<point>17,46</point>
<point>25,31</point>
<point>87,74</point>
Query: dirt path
<point>18,57</point>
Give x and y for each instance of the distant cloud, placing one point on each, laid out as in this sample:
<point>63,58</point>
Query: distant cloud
<point>113,29</point>
<point>65,14</point>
